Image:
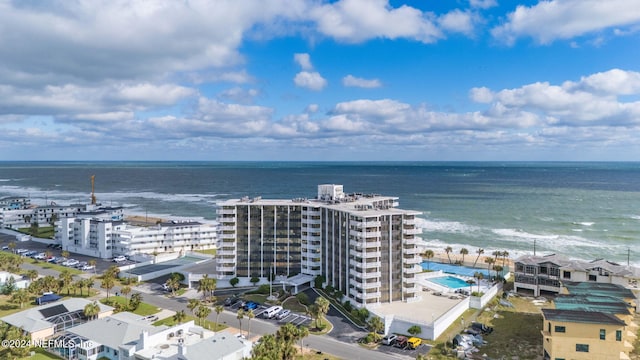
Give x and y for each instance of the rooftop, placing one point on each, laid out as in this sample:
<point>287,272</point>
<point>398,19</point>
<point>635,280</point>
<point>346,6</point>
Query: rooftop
<point>606,304</point>
<point>598,289</point>
<point>571,264</point>
<point>114,331</point>
<point>581,316</point>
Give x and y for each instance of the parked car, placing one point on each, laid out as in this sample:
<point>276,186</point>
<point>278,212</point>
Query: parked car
<point>119,258</point>
<point>30,253</point>
<point>87,267</point>
<point>21,251</point>
<point>414,342</point>
<point>484,329</point>
<point>5,248</point>
<point>401,342</point>
<point>60,260</point>
<point>80,264</point>
<point>231,300</point>
<point>283,314</point>
<point>70,262</point>
<point>389,339</point>
<point>40,256</point>
<point>251,305</point>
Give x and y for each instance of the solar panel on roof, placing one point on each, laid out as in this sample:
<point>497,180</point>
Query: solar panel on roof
<point>53,311</point>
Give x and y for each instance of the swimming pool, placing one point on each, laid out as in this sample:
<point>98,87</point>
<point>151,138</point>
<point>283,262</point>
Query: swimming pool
<point>454,269</point>
<point>451,282</point>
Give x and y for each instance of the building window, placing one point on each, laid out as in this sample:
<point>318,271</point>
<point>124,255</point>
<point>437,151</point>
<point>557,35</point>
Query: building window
<point>618,335</point>
<point>566,274</point>
<point>561,329</point>
<point>603,334</point>
<point>582,348</point>
<point>593,278</point>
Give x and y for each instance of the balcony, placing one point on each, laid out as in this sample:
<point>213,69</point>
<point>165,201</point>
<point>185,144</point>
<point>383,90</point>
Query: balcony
<point>370,224</point>
<point>227,236</point>
<point>356,233</point>
<point>412,231</point>
<point>373,234</point>
<point>409,221</point>
<point>370,285</point>
<point>411,251</point>
<point>372,244</point>
<point>411,241</point>
<point>412,260</point>
<point>372,265</point>
<point>372,295</point>
<point>227,228</point>
<point>412,270</point>
<point>225,268</point>
<point>226,211</point>
<point>226,252</point>
<point>411,289</point>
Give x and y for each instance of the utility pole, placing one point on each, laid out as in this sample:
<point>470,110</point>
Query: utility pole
<point>534,247</point>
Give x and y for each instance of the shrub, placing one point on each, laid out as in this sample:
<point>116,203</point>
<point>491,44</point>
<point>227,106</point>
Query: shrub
<point>329,289</point>
<point>318,281</point>
<point>347,306</point>
<point>303,299</point>
<point>476,293</point>
<point>234,281</point>
<point>254,280</point>
<point>415,330</point>
<point>369,338</point>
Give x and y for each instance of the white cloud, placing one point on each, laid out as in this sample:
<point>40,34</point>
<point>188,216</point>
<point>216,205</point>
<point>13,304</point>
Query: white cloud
<point>304,60</point>
<point>457,21</point>
<point>239,95</point>
<point>310,80</point>
<point>614,81</point>
<point>352,81</point>
<point>483,4</point>
<point>312,108</point>
<point>360,20</point>
<point>481,95</point>
<point>564,19</point>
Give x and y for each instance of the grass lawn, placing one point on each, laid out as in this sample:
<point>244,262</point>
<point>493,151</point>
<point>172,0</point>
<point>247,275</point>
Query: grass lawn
<point>327,327</point>
<point>143,309</point>
<point>56,267</point>
<point>256,297</point>
<point>40,354</point>
<point>208,252</point>
<point>45,232</point>
<point>207,324</point>
<point>294,305</point>
<point>515,334</point>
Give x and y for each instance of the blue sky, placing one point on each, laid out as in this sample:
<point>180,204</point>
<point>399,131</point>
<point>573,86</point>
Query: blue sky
<point>320,80</point>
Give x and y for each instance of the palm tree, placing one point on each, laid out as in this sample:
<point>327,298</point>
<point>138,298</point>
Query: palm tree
<point>287,336</point>
<point>93,263</point>
<point>20,297</point>
<point>375,325</point>
<point>32,275</point>
<point>91,310</point>
<point>108,283</point>
<point>240,316</point>
<point>496,254</point>
<point>125,291</point>
<point>429,255</point>
<point>250,315</point>
<point>173,284</point>
<point>218,309</point>
<point>480,251</point>
<point>202,313</point>
<point>72,286</point>
<point>193,305</point>
<point>464,252</point>
<point>470,282</point>
<point>498,269</point>
<point>303,332</point>
<point>179,316</point>
<point>66,277</point>
<point>91,282</point>
<point>448,250</point>
<point>323,307</point>
<point>50,283</point>
<point>489,261</point>
<point>478,275</point>
<point>505,255</point>
<point>12,246</point>
<point>65,254</point>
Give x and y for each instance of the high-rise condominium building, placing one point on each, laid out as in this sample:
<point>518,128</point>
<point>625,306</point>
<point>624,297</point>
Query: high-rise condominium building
<point>361,244</point>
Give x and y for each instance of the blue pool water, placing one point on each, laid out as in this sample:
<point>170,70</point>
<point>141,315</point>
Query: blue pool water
<point>454,269</point>
<point>450,282</point>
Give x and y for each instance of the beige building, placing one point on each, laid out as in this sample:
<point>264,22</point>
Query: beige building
<point>362,244</point>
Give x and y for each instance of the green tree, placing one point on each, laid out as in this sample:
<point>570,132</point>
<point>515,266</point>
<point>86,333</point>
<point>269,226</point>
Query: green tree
<point>303,332</point>
<point>9,286</point>
<point>240,316</point>
<point>125,291</point>
<point>498,269</point>
<point>65,254</point>
<point>107,283</point>
<point>218,309</point>
<point>193,304</point>
<point>478,275</point>
<point>376,326</point>
<point>254,280</point>
<point>269,348</point>
<point>287,336</point>
<point>92,310</point>
<point>250,315</point>
<point>415,330</point>
<point>179,316</point>
<point>202,312</point>
<point>93,263</point>
<point>479,252</point>
<point>323,308</point>
<point>490,262</point>
<point>20,296</point>
<point>464,252</point>
<point>17,336</point>
<point>207,286</point>
<point>448,250</point>
<point>135,301</point>
<point>173,284</point>
<point>50,283</point>
<point>234,281</point>
<point>32,275</point>
<point>429,255</point>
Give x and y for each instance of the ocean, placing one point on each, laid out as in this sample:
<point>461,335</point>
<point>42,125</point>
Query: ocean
<point>581,210</point>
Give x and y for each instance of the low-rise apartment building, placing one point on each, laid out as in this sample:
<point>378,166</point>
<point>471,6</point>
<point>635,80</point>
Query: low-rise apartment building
<point>590,321</point>
<point>105,238</point>
<point>545,274</point>
<point>362,244</point>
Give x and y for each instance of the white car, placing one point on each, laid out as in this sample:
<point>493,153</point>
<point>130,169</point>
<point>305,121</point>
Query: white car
<point>119,258</point>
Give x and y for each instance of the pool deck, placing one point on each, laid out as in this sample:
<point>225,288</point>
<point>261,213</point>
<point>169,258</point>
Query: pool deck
<point>429,308</point>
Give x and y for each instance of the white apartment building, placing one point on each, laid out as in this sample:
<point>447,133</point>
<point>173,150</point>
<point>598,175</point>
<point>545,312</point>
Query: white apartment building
<point>105,238</point>
<point>18,213</point>
<point>545,274</point>
<point>361,244</point>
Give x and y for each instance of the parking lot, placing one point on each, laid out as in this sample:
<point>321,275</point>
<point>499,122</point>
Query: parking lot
<point>292,318</point>
<point>38,248</point>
